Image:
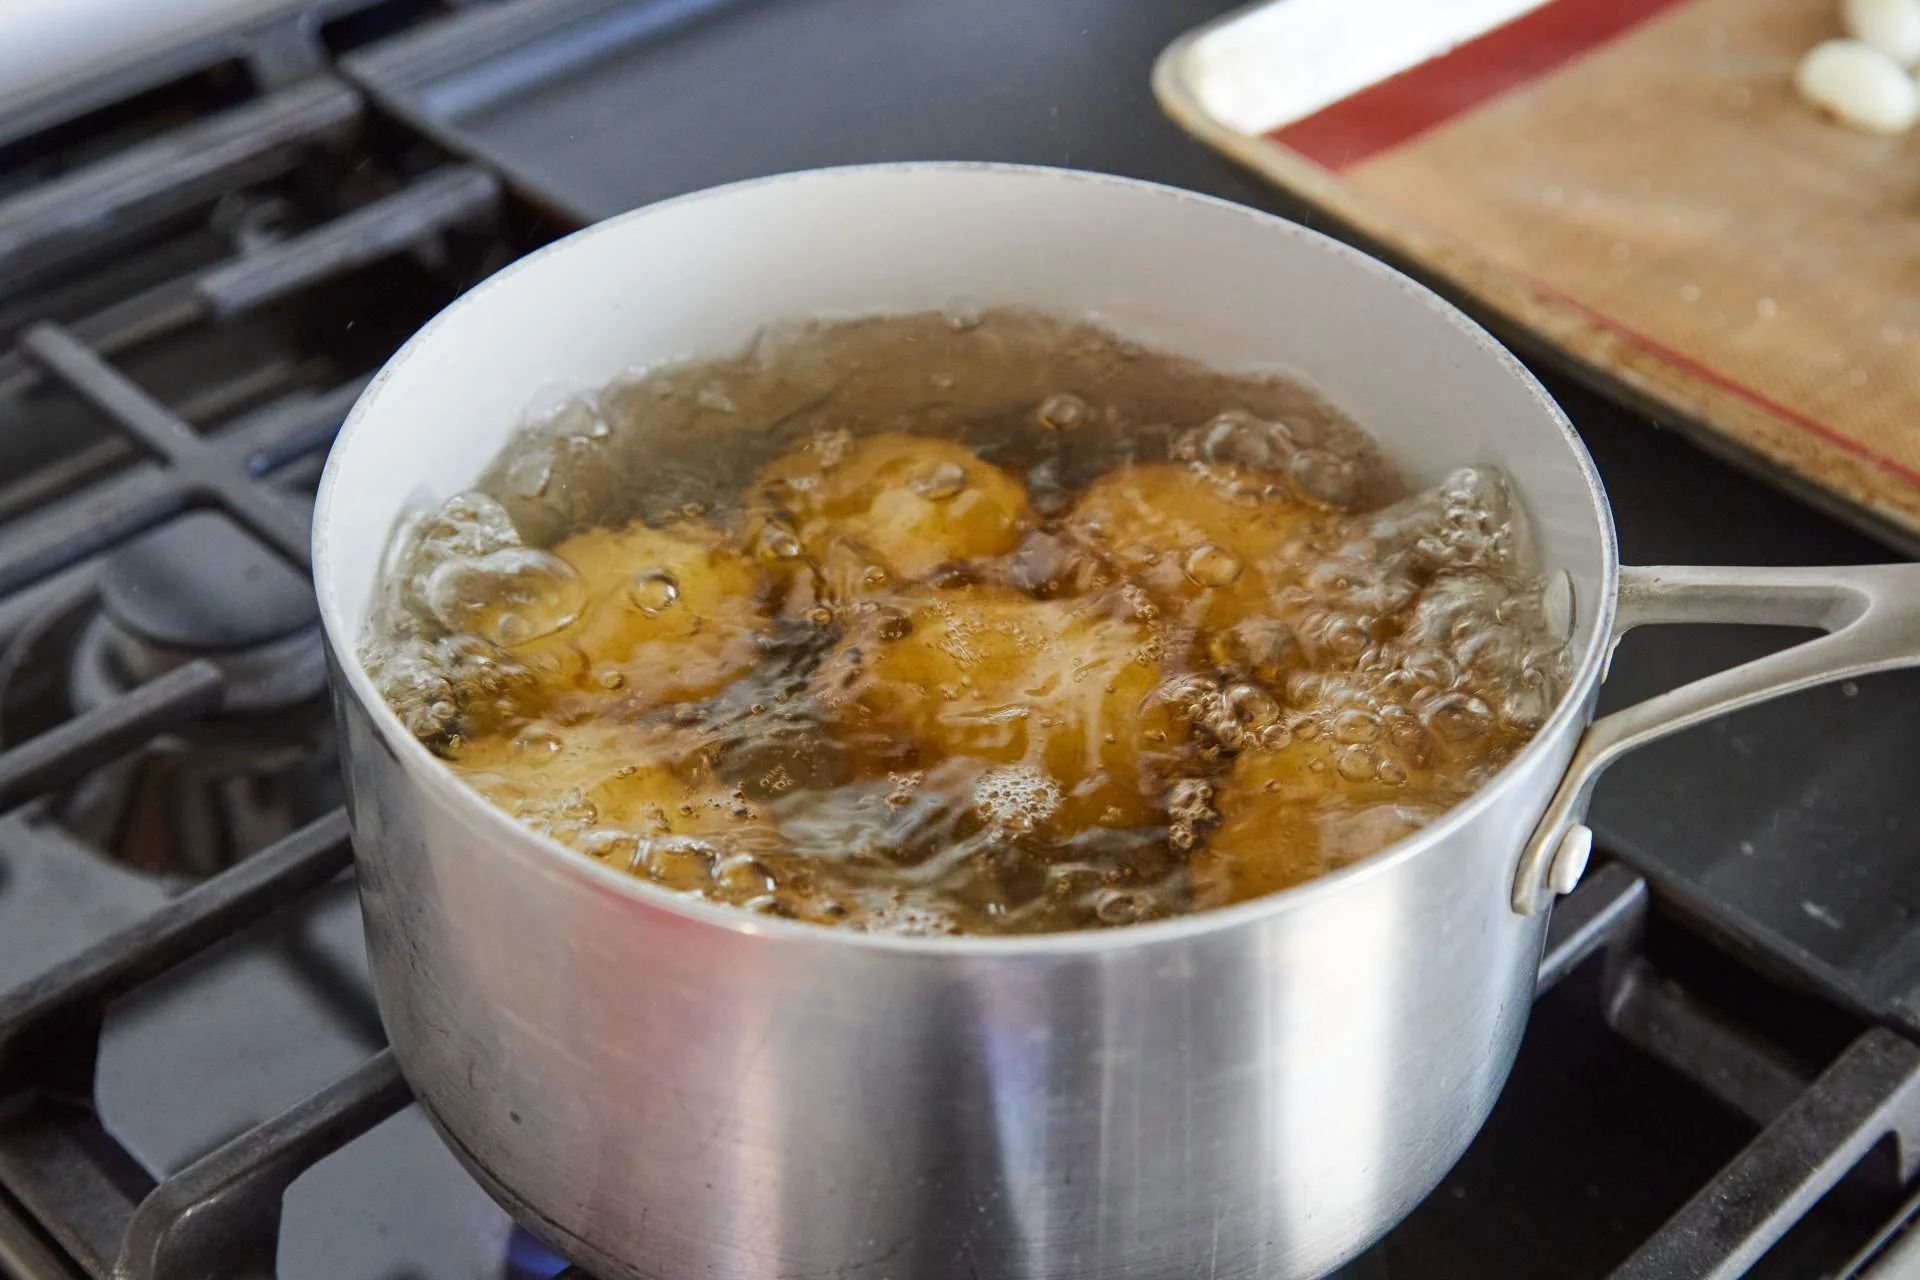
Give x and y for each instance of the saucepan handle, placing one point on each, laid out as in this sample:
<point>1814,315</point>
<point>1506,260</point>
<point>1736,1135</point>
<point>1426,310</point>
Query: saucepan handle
<point>1870,612</point>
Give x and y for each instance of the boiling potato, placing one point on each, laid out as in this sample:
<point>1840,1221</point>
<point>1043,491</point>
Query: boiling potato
<point>985,673</point>
<point>1291,814</point>
<point>668,614</point>
<point>622,793</point>
<point>905,504</point>
<point>1211,544</point>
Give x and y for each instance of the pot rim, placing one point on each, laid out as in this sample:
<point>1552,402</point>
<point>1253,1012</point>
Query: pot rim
<point>429,771</point>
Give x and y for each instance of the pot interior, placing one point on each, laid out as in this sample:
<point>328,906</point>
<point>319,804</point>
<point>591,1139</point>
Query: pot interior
<point>1237,289</point>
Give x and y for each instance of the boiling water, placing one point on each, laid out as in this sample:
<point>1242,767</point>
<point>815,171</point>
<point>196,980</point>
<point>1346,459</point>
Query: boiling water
<point>975,622</point>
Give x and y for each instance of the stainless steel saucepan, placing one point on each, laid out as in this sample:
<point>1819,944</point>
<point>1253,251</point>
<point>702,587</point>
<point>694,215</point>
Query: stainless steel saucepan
<point>667,1089</point>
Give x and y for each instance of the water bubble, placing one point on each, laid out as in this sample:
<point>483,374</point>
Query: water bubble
<point>781,905</point>
<point>1044,565</point>
<point>565,816</point>
<point>509,596</point>
<point>529,474</point>
<point>1046,490</point>
<point>1402,684</point>
<point>1525,703</point>
<point>1238,438</point>
<point>742,875</point>
<point>1345,637</point>
<point>1064,411</point>
<point>777,542</point>
<point>1433,670</point>
<point>1189,808</point>
<point>1251,705</point>
<point>609,845</point>
<point>903,787</point>
<point>610,680</point>
<point>1258,644</point>
<point>904,918</point>
<point>1458,716</point>
<point>1356,727</point>
<point>1187,690</point>
<point>945,481</point>
<point>1408,735</point>
<point>653,591</point>
<point>1015,797</point>
<point>873,576</point>
<point>1390,771</point>
<point>677,862</point>
<point>538,742</point>
<point>1492,653</point>
<point>963,314</point>
<point>1326,478</point>
<point>1304,727</point>
<point>1331,578</point>
<point>1355,763</point>
<point>1121,906</point>
<point>1229,734</point>
<point>820,616</point>
<point>891,623</point>
<point>468,525</point>
<point>1210,566</point>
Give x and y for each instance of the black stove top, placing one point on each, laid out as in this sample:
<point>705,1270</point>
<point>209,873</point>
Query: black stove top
<point>197,278</point>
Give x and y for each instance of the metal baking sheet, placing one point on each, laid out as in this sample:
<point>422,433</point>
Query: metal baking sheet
<point>1747,279</point>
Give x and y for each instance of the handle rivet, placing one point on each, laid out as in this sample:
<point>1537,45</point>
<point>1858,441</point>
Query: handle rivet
<point>1570,858</point>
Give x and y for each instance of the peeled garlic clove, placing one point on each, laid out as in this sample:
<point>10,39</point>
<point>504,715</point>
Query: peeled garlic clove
<point>1891,26</point>
<point>1858,85</point>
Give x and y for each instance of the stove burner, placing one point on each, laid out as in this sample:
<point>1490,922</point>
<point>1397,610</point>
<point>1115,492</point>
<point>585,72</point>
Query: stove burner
<point>197,800</point>
<point>199,586</point>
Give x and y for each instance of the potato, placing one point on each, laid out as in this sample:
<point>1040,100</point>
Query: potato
<point>989,674</point>
<point>620,792</point>
<point>1210,545</point>
<point>669,615</point>
<point>905,504</point>
<point>1311,807</point>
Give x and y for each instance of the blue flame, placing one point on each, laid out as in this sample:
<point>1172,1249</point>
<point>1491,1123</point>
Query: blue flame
<point>528,1259</point>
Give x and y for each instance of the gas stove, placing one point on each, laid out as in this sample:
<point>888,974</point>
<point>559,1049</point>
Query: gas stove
<point>205,255</point>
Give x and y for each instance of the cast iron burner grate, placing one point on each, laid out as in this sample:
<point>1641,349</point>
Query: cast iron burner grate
<point>75,1201</point>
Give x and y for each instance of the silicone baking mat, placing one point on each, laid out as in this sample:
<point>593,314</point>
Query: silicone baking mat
<point>1631,185</point>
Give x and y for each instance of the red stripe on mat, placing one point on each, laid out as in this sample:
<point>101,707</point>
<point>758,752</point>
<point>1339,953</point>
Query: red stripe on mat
<point>1396,111</point>
<point>1689,365</point>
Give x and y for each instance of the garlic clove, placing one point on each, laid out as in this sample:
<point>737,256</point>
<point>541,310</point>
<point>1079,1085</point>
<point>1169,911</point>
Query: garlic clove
<point>1858,85</point>
<point>1891,26</point>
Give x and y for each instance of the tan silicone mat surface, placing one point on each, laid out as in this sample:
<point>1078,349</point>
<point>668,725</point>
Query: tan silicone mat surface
<point>1658,206</point>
